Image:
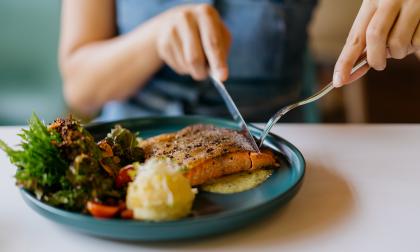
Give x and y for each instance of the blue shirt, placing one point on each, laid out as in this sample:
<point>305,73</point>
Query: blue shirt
<point>265,61</point>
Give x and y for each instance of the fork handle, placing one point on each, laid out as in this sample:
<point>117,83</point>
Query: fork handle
<point>361,62</point>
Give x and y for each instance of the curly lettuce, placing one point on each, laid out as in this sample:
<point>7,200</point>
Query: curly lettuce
<point>39,166</point>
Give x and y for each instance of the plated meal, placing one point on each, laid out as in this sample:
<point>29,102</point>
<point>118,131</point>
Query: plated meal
<point>125,176</point>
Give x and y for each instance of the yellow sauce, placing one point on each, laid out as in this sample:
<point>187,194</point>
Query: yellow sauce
<point>237,182</point>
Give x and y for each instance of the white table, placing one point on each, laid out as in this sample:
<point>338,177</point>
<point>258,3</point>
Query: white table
<point>361,193</point>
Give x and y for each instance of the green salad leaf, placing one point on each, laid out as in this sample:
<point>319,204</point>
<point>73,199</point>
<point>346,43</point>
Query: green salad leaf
<point>125,145</point>
<point>64,166</point>
<point>39,165</point>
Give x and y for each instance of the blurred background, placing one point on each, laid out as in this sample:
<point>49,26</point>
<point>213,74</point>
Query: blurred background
<point>29,77</point>
<point>30,81</point>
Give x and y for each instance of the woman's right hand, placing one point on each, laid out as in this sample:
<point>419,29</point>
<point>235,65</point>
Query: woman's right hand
<point>194,41</point>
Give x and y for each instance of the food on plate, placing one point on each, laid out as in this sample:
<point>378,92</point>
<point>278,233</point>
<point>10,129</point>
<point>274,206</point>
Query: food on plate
<point>237,182</point>
<point>207,152</point>
<point>101,210</point>
<point>120,148</point>
<point>124,176</point>
<point>160,191</point>
<point>64,167</point>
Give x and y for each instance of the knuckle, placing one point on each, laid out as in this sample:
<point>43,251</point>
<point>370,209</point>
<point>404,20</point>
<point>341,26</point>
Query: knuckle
<point>375,33</point>
<point>354,40</point>
<point>397,48</point>
<point>184,15</point>
<point>205,9</point>
<point>396,43</point>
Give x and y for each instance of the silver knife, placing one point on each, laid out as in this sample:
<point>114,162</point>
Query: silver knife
<point>237,117</point>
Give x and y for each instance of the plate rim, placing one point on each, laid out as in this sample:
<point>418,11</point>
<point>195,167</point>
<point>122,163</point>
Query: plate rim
<point>62,213</point>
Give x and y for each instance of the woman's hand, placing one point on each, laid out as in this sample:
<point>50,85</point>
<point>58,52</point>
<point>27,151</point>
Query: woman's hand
<point>98,66</point>
<point>194,41</point>
<point>385,28</point>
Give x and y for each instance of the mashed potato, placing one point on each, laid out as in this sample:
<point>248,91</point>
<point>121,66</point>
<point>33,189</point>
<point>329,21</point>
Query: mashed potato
<point>160,192</point>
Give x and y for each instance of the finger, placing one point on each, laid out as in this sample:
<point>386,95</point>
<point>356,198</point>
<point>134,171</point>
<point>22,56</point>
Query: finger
<point>356,74</point>
<point>178,53</point>
<point>223,73</point>
<point>170,60</point>
<point>354,45</point>
<point>399,42</point>
<point>415,42</point>
<point>227,38</point>
<point>378,31</point>
<point>212,41</point>
<point>193,51</point>
<point>165,49</point>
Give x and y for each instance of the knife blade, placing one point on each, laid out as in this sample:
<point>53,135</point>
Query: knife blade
<point>237,117</point>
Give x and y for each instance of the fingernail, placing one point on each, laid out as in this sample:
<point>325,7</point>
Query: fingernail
<point>382,67</point>
<point>337,80</point>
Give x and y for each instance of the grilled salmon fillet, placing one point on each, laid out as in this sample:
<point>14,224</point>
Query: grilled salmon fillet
<point>207,152</point>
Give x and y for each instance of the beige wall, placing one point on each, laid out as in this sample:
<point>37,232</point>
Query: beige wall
<point>328,32</point>
<point>330,26</point>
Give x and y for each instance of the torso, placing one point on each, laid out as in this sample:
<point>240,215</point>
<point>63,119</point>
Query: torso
<point>265,61</point>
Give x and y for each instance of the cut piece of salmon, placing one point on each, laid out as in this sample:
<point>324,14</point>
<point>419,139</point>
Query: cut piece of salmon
<point>207,152</point>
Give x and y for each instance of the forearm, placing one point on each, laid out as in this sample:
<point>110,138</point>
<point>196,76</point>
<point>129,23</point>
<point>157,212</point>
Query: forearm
<point>110,69</point>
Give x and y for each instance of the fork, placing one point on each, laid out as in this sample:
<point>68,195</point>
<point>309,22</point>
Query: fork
<point>279,114</point>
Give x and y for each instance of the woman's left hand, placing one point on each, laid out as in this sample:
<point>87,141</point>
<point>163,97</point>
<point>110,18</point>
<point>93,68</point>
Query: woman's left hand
<point>386,29</point>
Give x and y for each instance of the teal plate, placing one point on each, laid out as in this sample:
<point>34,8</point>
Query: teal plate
<point>216,213</point>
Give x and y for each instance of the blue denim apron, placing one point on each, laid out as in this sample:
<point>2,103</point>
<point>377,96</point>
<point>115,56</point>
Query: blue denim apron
<point>265,61</point>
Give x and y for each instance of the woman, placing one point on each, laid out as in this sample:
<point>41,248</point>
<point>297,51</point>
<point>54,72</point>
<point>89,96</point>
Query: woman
<point>132,58</point>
